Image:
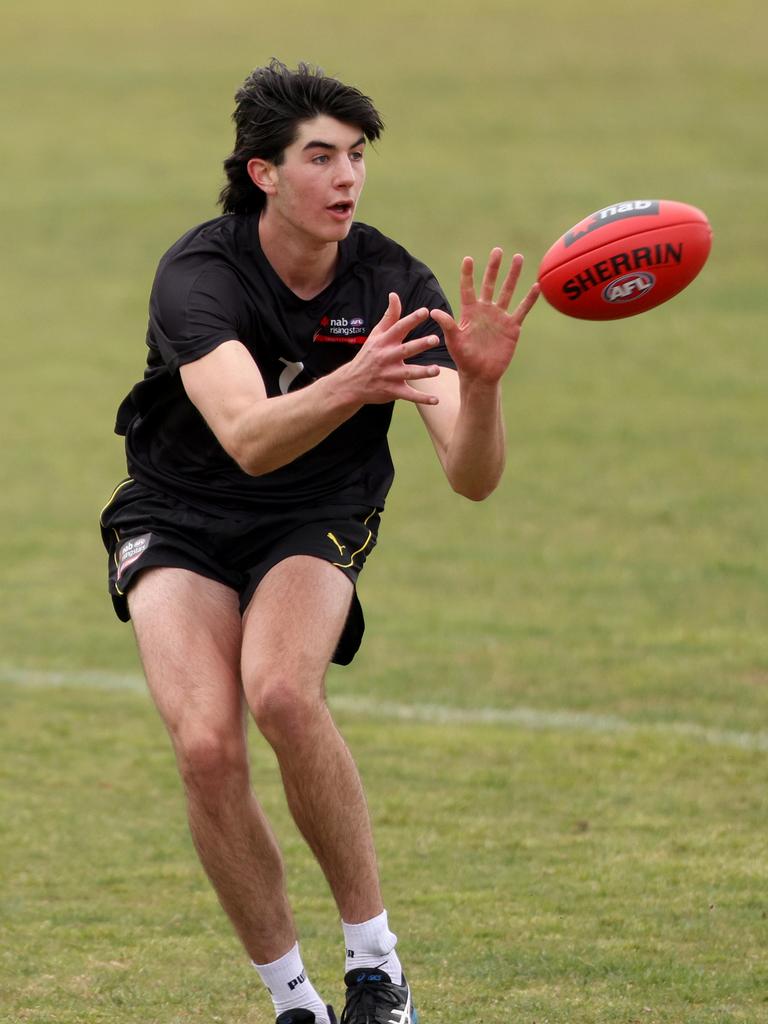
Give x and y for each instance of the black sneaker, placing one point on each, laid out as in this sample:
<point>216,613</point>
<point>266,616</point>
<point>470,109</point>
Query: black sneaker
<point>303,1016</point>
<point>372,998</point>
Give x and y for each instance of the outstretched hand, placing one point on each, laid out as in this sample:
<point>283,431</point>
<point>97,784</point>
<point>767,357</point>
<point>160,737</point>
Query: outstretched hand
<point>483,340</point>
<point>379,372</point>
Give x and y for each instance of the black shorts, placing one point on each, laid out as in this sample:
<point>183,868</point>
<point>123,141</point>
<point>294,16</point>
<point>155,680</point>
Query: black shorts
<point>142,528</point>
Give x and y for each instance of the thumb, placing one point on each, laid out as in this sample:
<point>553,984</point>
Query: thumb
<point>444,320</point>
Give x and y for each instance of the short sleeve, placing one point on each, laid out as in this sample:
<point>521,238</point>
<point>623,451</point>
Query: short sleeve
<point>192,311</point>
<point>429,293</point>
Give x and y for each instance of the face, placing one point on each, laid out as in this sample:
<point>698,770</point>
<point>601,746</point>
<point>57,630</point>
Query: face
<point>314,191</point>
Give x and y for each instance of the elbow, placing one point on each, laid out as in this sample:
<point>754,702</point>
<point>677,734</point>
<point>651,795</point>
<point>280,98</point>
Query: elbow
<point>258,460</point>
<point>476,494</point>
<point>248,458</point>
<point>474,478</point>
<point>251,451</point>
<point>475,490</point>
<point>250,468</point>
<point>253,465</point>
<point>476,487</point>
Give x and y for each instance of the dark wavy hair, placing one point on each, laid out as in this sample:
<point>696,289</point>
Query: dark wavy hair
<point>271,104</point>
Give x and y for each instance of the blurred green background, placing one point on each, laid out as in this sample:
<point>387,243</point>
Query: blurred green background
<point>621,567</point>
<point>631,525</point>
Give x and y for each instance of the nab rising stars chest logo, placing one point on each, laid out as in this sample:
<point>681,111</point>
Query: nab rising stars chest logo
<point>341,331</point>
<point>334,331</point>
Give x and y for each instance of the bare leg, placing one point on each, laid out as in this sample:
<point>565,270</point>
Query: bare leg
<point>189,633</point>
<point>290,631</point>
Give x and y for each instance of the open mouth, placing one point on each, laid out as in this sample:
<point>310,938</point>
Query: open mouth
<point>342,207</point>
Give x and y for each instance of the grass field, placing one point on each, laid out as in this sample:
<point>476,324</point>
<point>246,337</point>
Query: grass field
<point>560,707</point>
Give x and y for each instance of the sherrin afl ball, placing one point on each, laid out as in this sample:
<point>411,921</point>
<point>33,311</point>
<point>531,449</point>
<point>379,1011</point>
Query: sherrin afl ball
<point>625,259</point>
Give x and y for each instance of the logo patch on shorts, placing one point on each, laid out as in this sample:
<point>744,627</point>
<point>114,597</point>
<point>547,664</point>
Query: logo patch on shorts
<point>335,540</point>
<point>131,551</point>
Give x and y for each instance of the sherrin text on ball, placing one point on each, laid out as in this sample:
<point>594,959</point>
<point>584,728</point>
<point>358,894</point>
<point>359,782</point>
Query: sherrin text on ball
<point>625,258</point>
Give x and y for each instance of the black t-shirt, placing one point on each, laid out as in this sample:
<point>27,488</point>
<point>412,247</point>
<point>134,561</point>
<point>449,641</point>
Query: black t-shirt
<point>216,285</point>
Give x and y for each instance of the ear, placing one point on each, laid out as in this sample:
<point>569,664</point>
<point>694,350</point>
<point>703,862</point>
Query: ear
<point>263,174</point>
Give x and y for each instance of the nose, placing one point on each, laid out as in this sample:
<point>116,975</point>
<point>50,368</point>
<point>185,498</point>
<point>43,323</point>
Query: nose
<point>345,173</point>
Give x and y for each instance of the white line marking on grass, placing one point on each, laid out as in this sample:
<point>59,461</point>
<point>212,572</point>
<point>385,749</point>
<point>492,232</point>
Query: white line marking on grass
<point>535,719</point>
<point>87,678</point>
<point>532,719</point>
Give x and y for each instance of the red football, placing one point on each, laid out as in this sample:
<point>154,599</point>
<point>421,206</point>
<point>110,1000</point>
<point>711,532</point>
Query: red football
<point>625,258</point>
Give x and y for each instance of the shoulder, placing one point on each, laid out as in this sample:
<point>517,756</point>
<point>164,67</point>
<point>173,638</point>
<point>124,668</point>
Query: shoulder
<point>219,236</point>
<point>393,266</point>
<point>223,240</point>
<point>215,250</point>
<point>368,245</point>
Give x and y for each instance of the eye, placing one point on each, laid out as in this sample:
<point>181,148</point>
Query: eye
<point>323,158</point>
<point>356,155</point>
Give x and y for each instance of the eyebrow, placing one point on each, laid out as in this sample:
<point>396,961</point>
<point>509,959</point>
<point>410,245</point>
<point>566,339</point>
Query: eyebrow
<point>319,144</point>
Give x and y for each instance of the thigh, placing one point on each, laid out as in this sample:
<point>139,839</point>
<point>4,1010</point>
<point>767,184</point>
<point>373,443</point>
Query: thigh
<point>342,536</point>
<point>293,622</point>
<point>188,631</point>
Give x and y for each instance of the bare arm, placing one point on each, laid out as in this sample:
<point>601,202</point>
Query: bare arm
<point>262,434</point>
<point>467,430</point>
<point>467,426</point>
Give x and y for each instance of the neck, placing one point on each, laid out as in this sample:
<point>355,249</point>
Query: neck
<point>305,264</point>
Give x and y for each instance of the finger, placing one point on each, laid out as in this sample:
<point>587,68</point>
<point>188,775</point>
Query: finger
<point>409,394</point>
<point>510,282</point>
<point>392,312</point>
<point>402,327</point>
<point>490,275</point>
<point>528,303</point>
<point>416,372</point>
<point>444,320</point>
<point>467,282</point>
<point>415,347</point>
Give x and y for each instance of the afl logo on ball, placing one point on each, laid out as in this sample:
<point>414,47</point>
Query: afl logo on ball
<point>629,287</point>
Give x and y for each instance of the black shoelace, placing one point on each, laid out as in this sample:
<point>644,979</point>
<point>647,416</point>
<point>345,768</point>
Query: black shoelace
<point>370,1003</point>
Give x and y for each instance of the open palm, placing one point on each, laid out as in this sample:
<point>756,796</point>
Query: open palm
<point>483,340</point>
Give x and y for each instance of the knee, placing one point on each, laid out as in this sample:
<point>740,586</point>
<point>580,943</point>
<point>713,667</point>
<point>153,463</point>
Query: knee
<point>211,763</point>
<point>286,710</point>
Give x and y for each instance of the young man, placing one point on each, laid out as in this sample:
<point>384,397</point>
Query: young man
<point>280,336</point>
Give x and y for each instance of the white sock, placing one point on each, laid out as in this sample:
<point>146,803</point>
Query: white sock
<point>372,944</point>
<point>288,984</point>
